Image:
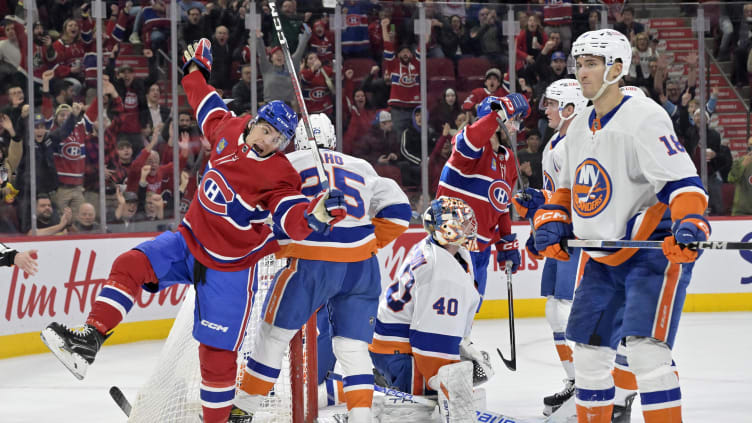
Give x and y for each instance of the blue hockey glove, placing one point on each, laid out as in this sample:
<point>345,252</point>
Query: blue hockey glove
<point>512,105</point>
<point>508,249</point>
<point>691,228</point>
<point>325,210</point>
<point>530,247</point>
<point>200,54</point>
<point>552,224</point>
<point>527,202</point>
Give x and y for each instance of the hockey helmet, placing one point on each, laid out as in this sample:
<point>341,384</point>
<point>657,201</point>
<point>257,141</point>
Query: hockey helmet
<point>279,115</point>
<point>609,44</point>
<point>323,133</point>
<point>565,92</point>
<point>484,108</point>
<point>450,221</point>
<point>632,91</point>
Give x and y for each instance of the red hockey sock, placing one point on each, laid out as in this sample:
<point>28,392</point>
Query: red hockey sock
<point>218,373</point>
<point>129,271</point>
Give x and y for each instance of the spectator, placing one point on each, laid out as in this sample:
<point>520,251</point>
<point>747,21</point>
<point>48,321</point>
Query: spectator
<point>626,24</point>
<point>445,112</point>
<point>241,91</point>
<point>549,68</point>
<point>529,43</point>
<point>276,77</point>
<point>125,213</point>
<point>584,19</point>
<point>359,113</point>
<point>718,160</point>
<point>557,17</point>
<point>641,55</point>
<point>380,147</point>
<point>48,222</point>
<point>10,54</point>
<point>317,85</point>
<point>152,27</point>
<point>70,48</point>
<point>491,86</point>
<point>530,159</point>
<point>377,89</point>
<point>439,156</point>
<point>743,47</point>
<point>355,39</point>
<point>403,70</point>
<point>454,39</point>
<point>489,37</point>
<point>85,221</point>
<point>70,157</point>
<point>195,27</point>
<point>154,207</point>
<point>154,113</point>
<point>322,42</point>
<point>117,167</point>
<point>222,60</point>
<point>16,101</point>
<point>741,176</point>
<point>410,150</point>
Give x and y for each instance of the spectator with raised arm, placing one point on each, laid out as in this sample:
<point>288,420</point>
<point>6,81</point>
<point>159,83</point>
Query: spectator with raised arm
<point>222,54</point>
<point>317,85</point>
<point>403,70</point>
<point>454,39</point>
<point>492,86</point>
<point>489,36</point>
<point>49,222</point>
<point>529,43</point>
<point>741,176</point>
<point>76,39</point>
<point>274,72</point>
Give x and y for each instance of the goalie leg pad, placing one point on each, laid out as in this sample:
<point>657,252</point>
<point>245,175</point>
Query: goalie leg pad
<point>218,372</point>
<point>650,361</point>
<point>456,392</point>
<point>357,371</point>
<point>594,394</point>
<point>262,368</point>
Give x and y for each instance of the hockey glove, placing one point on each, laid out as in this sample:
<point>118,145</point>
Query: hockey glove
<point>691,228</point>
<point>482,369</point>
<point>530,247</point>
<point>325,210</point>
<point>527,202</point>
<point>511,106</point>
<point>552,224</point>
<point>200,54</point>
<point>508,249</point>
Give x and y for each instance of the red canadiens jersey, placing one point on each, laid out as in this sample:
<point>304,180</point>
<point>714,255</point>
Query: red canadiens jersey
<point>481,177</point>
<point>316,93</point>
<point>479,94</point>
<point>224,227</point>
<point>405,79</point>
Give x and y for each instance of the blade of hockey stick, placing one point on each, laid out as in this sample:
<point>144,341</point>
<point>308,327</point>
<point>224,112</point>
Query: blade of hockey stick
<point>703,245</point>
<point>119,397</point>
<point>512,362</point>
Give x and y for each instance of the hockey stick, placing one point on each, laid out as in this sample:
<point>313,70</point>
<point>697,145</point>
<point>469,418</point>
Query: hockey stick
<point>299,96</point>
<point>701,245</point>
<point>119,397</point>
<point>512,362</point>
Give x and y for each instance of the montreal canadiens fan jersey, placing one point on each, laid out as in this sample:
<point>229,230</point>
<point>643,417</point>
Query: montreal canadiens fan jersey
<point>624,175</point>
<point>429,309</point>
<point>377,209</point>
<point>482,177</point>
<point>224,226</point>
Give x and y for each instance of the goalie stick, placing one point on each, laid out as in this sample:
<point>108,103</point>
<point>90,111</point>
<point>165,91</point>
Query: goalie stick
<point>299,96</point>
<point>702,245</point>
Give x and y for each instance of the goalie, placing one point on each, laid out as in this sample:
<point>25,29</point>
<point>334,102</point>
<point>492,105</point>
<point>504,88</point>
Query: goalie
<point>426,315</point>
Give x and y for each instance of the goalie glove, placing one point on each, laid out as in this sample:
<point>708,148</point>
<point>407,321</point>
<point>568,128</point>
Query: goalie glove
<point>482,369</point>
<point>325,210</point>
<point>200,54</point>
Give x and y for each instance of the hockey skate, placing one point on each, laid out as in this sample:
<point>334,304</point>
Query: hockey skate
<point>622,413</point>
<point>75,347</point>
<point>553,402</point>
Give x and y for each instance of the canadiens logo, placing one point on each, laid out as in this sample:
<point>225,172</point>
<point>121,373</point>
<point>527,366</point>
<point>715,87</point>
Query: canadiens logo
<point>221,145</point>
<point>499,194</point>
<point>318,93</point>
<point>548,182</point>
<point>215,193</point>
<point>407,80</point>
<point>592,188</point>
<point>72,151</point>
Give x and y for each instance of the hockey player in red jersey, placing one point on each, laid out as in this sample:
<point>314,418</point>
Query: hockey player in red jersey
<point>222,236</point>
<point>481,172</point>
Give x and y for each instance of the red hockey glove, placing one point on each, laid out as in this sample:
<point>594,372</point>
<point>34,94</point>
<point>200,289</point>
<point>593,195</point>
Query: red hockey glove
<point>325,210</point>
<point>200,54</point>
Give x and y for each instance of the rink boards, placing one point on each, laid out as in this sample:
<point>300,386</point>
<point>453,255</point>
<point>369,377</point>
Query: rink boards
<point>72,270</point>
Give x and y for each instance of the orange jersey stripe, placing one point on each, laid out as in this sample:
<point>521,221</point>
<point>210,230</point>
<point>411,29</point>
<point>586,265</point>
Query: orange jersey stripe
<point>429,366</point>
<point>594,414</point>
<point>386,231</point>
<point>688,203</point>
<point>624,379</point>
<point>255,386</point>
<point>344,254</point>
<point>650,221</point>
<point>665,415</point>
<point>418,381</point>
<point>359,398</point>
<point>379,346</point>
<point>666,302</point>
<point>279,288</point>
<point>565,353</point>
<point>581,268</point>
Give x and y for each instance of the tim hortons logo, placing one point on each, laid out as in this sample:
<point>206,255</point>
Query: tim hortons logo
<point>27,298</point>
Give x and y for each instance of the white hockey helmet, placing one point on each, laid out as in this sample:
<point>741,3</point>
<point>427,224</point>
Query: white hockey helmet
<point>633,91</point>
<point>450,221</point>
<point>323,133</point>
<point>565,92</point>
<point>609,44</point>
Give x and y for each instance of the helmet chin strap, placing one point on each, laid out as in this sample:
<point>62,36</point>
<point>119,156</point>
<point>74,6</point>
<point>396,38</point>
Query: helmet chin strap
<point>605,85</point>
<point>563,119</point>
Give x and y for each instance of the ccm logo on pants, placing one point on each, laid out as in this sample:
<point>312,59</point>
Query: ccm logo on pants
<point>214,326</point>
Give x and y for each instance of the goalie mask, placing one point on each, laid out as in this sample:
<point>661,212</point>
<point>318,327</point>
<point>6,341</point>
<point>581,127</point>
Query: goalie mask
<point>323,133</point>
<point>565,92</point>
<point>450,221</point>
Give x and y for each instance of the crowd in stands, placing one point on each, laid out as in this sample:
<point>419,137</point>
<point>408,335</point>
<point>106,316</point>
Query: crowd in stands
<point>468,59</point>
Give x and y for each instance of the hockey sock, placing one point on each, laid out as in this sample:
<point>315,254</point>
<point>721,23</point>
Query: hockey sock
<point>594,394</point>
<point>129,271</point>
<point>557,314</point>
<point>357,371</point>
<point>331,393</point>
<point>624,380</point>
<point>218,372</point>
<point>262,368</point>
<point>660,396</point>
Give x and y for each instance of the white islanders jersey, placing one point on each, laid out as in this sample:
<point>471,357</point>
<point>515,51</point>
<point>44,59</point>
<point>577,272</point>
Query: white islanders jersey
<point>548,164</point>
<point>429,309</point>
<point>624,175</point>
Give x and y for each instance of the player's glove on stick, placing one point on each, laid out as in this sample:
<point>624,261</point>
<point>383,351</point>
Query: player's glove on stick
<point>325,210</point>
<point>690,228</point>
<point>508,249</point>
<point>512,106</point>
<point>530,247</point>
<point>529,201</point>
<point>200,54</point>
<point>552,224</point>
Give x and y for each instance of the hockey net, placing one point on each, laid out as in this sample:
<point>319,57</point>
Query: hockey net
<point>171,394</point>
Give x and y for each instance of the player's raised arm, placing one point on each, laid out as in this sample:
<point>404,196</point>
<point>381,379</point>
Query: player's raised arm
<point>475,137</point>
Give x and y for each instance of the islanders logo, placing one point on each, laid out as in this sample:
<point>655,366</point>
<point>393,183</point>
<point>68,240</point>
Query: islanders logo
<point>592,189</point>
<point>548,182</point>
<point>499,195</point>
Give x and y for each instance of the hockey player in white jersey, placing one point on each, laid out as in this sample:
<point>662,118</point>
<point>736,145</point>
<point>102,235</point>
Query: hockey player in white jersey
<point>562,101</point>
<point>624,175</point>
<point>338,270</point>
<point>426,315</point>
